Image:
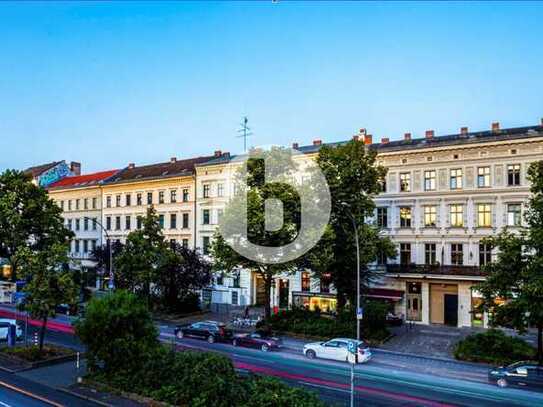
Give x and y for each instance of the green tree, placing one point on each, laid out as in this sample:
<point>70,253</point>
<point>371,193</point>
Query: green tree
<point>49,282</point>
<point>270,392</point>
<point>257,192</point>
<point>354,179</point>
<point>28,218</point>
<point>516,275</point>
<point>117,331</point>
<point>136,265</point>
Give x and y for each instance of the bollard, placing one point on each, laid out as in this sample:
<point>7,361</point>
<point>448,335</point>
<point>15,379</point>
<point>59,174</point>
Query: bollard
<point>77,361</point>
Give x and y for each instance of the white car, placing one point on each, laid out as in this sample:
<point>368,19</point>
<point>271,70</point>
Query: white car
<point>4,327</point>
<point>337,349</point>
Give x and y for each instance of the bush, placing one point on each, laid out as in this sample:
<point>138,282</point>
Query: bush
<point>270,392</point>
<point>493,347</point>
<point>117,329</point>
<point>314,324</point>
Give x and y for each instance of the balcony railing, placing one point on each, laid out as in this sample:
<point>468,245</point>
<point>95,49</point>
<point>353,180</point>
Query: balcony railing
<point>451,270</point>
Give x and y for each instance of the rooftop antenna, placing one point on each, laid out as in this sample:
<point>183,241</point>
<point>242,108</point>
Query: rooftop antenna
<point>245,132</point>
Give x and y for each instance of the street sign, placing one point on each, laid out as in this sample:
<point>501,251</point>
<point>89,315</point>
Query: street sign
<point>359,313</point>
<point>351,346</point>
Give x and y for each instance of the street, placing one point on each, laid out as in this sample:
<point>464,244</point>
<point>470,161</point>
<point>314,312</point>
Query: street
<point>388,379</point>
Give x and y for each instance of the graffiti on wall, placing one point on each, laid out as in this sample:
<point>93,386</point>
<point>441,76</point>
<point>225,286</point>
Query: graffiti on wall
<point>54,174</point>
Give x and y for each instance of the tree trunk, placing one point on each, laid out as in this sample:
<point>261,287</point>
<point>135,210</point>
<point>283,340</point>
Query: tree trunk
<point>540,344</point>
<point>42,332</point>
<point>267,302</point>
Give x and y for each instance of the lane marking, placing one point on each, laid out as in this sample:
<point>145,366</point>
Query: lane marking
<point>4,404</point>
<point>29,394</point>
<point>324,387</point>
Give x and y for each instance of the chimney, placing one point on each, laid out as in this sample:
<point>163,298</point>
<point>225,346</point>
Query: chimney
<point>75,168</point>
<point>317,142</point>
<point>131,165</point>
<point>356,137</point>
<point>407,136</point>
<point>295,146</point>
<point>368,139</point>
<point>464,131</point>
<point>226,154</point>
<point>218,153</point>
<point>385,140</point>
<point>362,132</point>
<point>173,159</point>
<point>429,134</point>
<point>495,127</point>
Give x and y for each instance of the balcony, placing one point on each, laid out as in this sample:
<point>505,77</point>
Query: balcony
<point>452,270</point>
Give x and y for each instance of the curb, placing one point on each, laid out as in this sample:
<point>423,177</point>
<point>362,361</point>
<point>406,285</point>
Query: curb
<point>83,397</point>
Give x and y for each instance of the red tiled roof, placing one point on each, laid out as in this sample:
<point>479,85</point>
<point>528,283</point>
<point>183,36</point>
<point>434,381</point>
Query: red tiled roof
<point>83,180</point>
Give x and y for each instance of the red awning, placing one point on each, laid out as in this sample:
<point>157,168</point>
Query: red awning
<point>385,294</point>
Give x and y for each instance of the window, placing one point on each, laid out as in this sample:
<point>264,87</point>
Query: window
<point>430,216</point>
<point>484,215</point>
<point>457,215</point>
<point>383,184</point>
<point>173,196</point>
<point>139,221</point>
<point>77,223</point>
<point>108,222</point>
<point>325,283</point>
<point>69,204</point>
<point>117,200</point>
<point>220,212</point>
<point>76,246</point>
<point>430,256</point>
<point>69,224</point>
<point>149,198</point>
<point>456,178</point>
<point>405,217</point>
<point>117,223</point>
<point>85,223</point>
<point>128,199</point>
<point>405,253</point>
<point>405,182</point>
<point>185,221</point>
<point>306,281</point>
<point>185,195</point>
<point>382,217</point>
<point>85,203</point>
<point>77,204</point>
<point>483,177</point>
<point>61,203</point>
<point>108,201</point>
<point>160,197</point>
<point>85,246</point>
<point>220,189</point>
<point>514,213</point>
<point>185,242</point>
<point>485,254</point>
<point>457,254</point>
<point>173,243</point>
<point>205,245</point>
<point>205,216</point>
<point>92,245</point>
<point>161,221</point>
<point>127,224</point>
<point>138,199</point>
<point>173,221</point>
<point>94,223</point>
<point>430,180</point>
<point>206,191</point>
<point>94,202</point>
<point>513,175</point>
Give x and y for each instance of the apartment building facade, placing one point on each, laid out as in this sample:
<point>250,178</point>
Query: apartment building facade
<point>80,198</point>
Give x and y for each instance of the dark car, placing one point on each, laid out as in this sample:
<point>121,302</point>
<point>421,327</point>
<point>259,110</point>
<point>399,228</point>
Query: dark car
<point>209,330</point>
<point>258,339</point>
<point>524,374</point>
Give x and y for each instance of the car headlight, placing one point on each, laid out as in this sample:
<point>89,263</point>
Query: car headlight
<point>494,372</point>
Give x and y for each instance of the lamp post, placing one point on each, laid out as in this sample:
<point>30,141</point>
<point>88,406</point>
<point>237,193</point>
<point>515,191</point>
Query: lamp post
<point>345,206</point>
<point>111,284</point>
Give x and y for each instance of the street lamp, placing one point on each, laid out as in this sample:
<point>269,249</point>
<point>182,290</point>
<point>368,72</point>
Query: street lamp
<point>111,284</point>
<point>347,209</point>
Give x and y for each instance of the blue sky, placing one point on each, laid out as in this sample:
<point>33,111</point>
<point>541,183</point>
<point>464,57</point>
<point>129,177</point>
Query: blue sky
<point>112,83</point>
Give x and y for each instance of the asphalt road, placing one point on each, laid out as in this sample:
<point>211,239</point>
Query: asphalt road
<point>387,380</point>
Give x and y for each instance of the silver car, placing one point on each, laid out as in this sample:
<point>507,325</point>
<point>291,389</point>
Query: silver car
<point>338,349</point>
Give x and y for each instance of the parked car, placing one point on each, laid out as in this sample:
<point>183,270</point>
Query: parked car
<point>212,331</point>
<point>523,374</point>
<point>337,349</point>
<point>4,329</point>
<point>257,339</point>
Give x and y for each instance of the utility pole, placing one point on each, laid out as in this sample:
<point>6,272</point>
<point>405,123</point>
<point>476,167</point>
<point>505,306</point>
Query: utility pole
<point>245,132</point>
